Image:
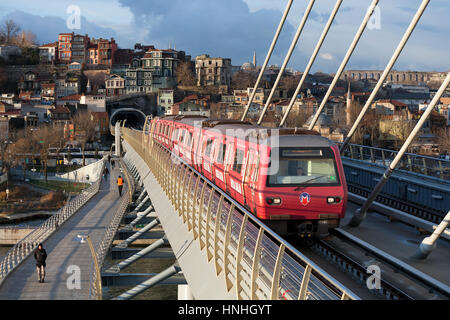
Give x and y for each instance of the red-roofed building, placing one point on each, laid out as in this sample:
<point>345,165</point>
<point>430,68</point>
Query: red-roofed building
<point>389,107</point>
<point>59,115</point>
<point>101,52</point>
<point>65,47</point>
<point>48,92</point>
<point>48,52</point>
<point>72,99</point>
<point>191,105</point>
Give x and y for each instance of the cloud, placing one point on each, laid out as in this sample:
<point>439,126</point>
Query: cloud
<point>48,28</point>
<point>327,56</point>
<point>219,28</point>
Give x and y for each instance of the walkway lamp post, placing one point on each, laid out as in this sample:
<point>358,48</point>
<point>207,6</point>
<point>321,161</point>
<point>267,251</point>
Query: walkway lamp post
<point>98,282</point>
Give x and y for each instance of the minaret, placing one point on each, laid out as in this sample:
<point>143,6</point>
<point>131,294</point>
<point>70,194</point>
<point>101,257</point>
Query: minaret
<point>254,59</point>
<point>349,105</point>
<point>88,87</point>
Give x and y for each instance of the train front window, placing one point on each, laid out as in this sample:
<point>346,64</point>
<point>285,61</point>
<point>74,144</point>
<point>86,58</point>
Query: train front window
<point>298,166</point>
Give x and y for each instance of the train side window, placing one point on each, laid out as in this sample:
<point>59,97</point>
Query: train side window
<point>208,147</point>
<point>188,138</point>
<point>238,160</point>
<point>249,166</point>
<point>174,135</point>
<point>255,172</point>
<point>180,138</point>
<point>221,153</point>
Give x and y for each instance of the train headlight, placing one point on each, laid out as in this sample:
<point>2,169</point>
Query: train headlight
<point>333,200</point>
<point>273,201</point>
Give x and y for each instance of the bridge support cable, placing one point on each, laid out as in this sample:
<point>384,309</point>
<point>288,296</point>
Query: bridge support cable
<point>388,68</point>
<point>269,54</point>
<point>169,272</point>
<point>360,214</point>
<point>125,243</point>
<point>144,201</point>
<point>287,58</point>
<point>429,243</point>
<point>344,62</point>
<point>141,195</point>
<point>312,59</point>
<point>140,215</point>
<point>155,245</point>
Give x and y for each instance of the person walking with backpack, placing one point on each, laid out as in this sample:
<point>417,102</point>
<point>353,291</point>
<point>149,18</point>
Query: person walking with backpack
<point>120,185</point>
<point>40,255</point>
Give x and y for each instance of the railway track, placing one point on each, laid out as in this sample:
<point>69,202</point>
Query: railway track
<point>397,280</point>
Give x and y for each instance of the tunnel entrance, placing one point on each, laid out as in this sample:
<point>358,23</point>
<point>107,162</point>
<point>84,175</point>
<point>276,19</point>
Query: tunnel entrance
<point>134,118</point>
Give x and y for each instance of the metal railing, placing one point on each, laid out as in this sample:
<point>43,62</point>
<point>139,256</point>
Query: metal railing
<point>108,238</point>
<point>253,260</point>
<point>18,253</point>
<point>429,166</point>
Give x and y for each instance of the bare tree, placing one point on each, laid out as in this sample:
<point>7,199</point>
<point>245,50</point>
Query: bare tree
<point>443,140</point>
<point>369,125</point>
<point>25,39</point>
<point>185,75</point>
<point>243,80</point>
<point>23,148</point>
<point>290,83</point>
<point>298,117</point>
<point>8,31</point>
<point>84,128</point>
<point>45,137</point>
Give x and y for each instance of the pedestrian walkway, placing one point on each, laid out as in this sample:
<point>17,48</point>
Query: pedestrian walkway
<point>66,253</point>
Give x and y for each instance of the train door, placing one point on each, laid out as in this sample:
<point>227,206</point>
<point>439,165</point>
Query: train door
<point>188,146</point>
<point>175,139</point>
<point>252,195</point>
<point>195,148</point>
<point>219,164</point>
<point>208,143</point>
<point>246,183</point>
<point>235,172</point>
<point>179,142</point>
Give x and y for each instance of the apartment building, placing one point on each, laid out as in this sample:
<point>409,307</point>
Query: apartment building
<point>213,71</point>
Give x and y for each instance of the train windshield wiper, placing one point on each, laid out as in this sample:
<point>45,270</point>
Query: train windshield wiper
<point>312,179</point>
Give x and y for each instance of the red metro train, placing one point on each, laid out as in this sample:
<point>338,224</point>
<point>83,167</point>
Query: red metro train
<point>291,179</point>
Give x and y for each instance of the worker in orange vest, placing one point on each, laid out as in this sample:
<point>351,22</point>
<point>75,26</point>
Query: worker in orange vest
<point>120,185</point>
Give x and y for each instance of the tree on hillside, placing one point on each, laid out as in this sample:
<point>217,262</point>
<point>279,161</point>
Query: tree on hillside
<point>85,129</point>
<point>23,148</point>
<point>289,83</point>
<point>243,80</point>
<point>8,31</point>
<point>25,39</point>
<point>185,75</point>
<point>45,137</point>
<point>297,118</point>
<point>443,140</point>
<point>369,125</point>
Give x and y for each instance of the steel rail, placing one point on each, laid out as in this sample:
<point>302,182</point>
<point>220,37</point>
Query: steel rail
<point>396,263</point>
<point>358,270</point>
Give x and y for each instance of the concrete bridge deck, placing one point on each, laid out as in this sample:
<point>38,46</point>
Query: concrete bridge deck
<point>63,251</point>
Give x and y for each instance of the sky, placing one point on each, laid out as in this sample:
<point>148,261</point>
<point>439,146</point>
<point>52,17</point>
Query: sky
<point>236,28</point>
